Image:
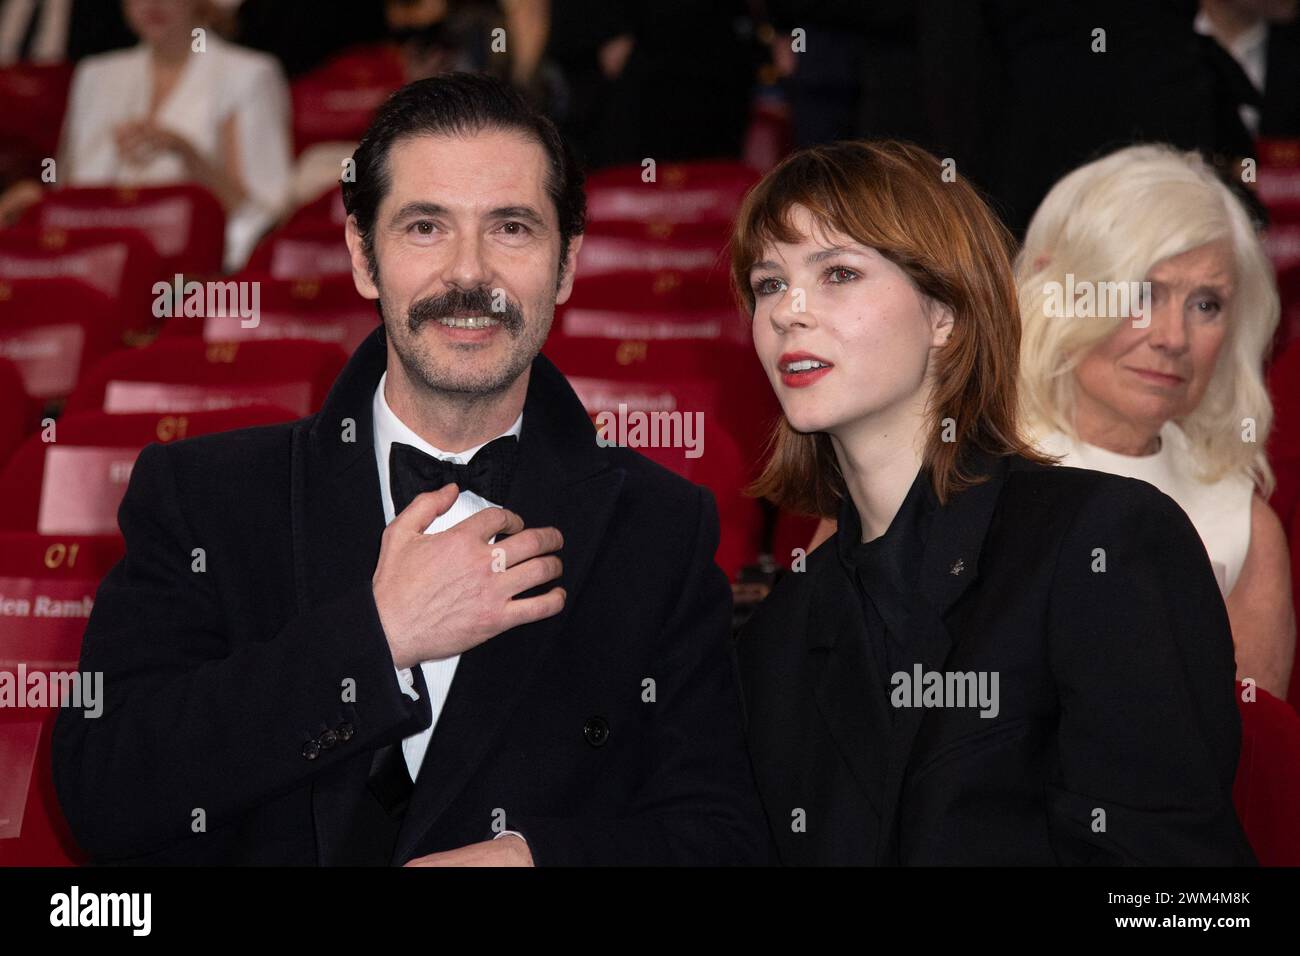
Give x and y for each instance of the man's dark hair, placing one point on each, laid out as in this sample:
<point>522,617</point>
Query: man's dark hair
<point>457,104</point>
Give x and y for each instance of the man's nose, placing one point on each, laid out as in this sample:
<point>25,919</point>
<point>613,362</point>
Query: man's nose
<point>468,267</point>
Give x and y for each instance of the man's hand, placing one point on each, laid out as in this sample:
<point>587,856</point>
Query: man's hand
<point>439,595</point>
<point>509,850</point>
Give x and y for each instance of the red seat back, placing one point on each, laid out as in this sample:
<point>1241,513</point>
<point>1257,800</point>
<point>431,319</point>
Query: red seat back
<point>182,375</point>
<point>35,97</point>
<point>48,585</point>
<point>185,224</point>
<point>53,330</point>
<point>337,101</point>
<point>74,484</point>
<point>308,253</point>
<point>1266,792</point>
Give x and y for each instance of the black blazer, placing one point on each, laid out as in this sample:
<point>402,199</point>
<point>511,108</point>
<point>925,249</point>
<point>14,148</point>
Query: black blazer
<point>225,688</point>
<point>1116,690</point>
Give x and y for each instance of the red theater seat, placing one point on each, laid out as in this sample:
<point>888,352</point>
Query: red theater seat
<point>74,484</point>
<point>308,253</point>
<point>747,406</point>
<point>35,97</point>
<point>689,440</point>
<point>1266,791</point>
<point>669,290</point>
<point>186,375</point>
<point>55,329</point>
<point>17,410</point>
<point>336,101</point>
<point>601,255</point>
<point>322,310</point>
<point>119,263</point>
<point>1283,380</point>
<point>185,224</point>
<point>47,586</point>
<point>701,193</point>
<point>324,212</point>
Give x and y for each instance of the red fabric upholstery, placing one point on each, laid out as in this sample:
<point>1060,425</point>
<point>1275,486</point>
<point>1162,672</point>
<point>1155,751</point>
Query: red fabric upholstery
<point>17,410</point>
<point>1283,380</point>
<point>185,224</point>
<point>292,373</point>
<point>306,253</point>
<point>715,460</point>
<point>668,290</point>
<point>40,570</point>
<point>323,310</point>
<point>93,454</point>
<point>682,193</point>
<point>324,211</point>
<point>35,97</point>
<point>120,263</point>
<point>1266,791</point>
<point>337,101</point>
<point>55,329</point>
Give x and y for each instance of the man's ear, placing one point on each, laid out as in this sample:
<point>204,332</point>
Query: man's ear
<point>360,264</point>
<point>570,266</point>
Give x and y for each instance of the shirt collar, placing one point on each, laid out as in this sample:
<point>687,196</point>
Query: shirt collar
<point>897,553</point>
<point>389,428</point>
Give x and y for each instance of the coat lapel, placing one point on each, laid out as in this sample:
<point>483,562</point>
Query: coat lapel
<point>560,480</point>
<point>950,565</point>
<point>338,521</point>
<point>843,668</point>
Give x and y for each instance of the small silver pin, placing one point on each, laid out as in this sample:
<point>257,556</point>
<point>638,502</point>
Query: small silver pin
<point>958,566</point>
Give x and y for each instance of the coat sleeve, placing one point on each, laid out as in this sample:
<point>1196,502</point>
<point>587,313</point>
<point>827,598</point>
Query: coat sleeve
<point>1141,652</point>
<point>195,727</point>
<point>700,805</point>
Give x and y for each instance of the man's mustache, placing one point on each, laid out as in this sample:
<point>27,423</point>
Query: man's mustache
<point>457,302</point>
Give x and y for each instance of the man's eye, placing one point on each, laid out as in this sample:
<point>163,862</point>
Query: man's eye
<point>513,228</point>
<point>767,286</point>
<point>423,228</point>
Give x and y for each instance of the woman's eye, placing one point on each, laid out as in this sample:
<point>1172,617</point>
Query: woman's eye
<point>1210,308</point>
<point>767,286</point>
<point>838,275</point>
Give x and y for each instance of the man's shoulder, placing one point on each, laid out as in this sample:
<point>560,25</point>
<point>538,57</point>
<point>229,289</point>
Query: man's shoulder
<point>259,454</point>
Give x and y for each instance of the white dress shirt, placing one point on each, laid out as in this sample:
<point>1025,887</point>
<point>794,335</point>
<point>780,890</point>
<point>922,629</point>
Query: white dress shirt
<point>437,674</point>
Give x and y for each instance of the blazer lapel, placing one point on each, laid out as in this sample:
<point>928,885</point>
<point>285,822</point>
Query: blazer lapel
<point>560,480</point>
<point>338,521</point>
<point>843,668</point>
<point>950,565</point>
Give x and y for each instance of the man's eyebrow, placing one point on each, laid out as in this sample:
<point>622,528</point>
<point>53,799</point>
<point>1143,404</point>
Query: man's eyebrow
<point>527,213</point>
<point>419,208</point>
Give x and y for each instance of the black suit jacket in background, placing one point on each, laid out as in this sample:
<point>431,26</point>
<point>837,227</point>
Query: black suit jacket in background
<point>219,684</point>
<point>1115,686</point>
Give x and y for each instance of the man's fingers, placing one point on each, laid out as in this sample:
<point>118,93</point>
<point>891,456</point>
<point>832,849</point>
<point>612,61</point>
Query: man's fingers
<point>424,508</point>
<point>530,543</point>
<point>531,573</point>
<point>527,610</point>
<point>491,522</point>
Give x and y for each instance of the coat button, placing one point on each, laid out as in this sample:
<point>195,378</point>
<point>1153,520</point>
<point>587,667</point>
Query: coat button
<point>596,730</point>
<point>328,739</point>
<point>311,750</point>
<point>344,730</point>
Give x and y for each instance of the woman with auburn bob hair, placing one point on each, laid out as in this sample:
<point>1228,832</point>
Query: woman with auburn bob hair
<point>1171,392</point>
<point>994,660</point>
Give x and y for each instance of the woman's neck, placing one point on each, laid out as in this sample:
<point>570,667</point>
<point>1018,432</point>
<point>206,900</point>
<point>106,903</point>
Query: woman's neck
<point>879,459</point>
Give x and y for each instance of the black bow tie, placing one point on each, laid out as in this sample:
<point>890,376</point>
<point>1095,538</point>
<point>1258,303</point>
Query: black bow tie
<point>487,474</point>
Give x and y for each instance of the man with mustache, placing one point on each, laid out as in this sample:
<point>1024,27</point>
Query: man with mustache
<point>527,665</point>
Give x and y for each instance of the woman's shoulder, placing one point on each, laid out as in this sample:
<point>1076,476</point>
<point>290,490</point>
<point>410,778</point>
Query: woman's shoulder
<point>101,65</point>
<point>245,62</point>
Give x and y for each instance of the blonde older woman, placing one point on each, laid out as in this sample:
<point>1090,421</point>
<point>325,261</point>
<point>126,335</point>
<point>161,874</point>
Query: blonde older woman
<point>1148,306</point>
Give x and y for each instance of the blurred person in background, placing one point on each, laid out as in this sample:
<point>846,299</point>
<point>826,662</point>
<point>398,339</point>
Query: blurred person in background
<point>172,109</point>
<point>58,31</point>
<point>1264,38</point>
<point>1177,396</point>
